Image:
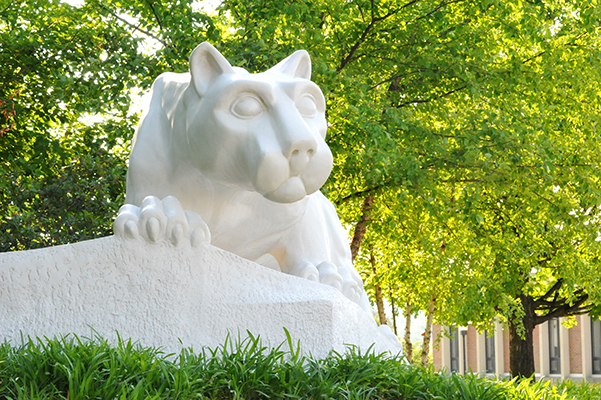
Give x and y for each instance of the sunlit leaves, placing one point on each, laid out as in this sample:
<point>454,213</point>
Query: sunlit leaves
<point>474,126</point>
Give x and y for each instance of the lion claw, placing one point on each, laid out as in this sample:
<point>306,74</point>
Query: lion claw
<point>177,234</point>
<point>157,219</point>
<point>130,229</point>
<point>306,270</point>
<point>152,229</point>
<point>328,275</point>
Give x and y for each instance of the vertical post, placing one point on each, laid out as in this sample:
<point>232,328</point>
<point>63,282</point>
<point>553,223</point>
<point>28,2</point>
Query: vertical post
<point>499,357</point>
<point>462,351</point>
<point>481,353</point>
<point>543,337</point>
<point>445,348</point>
<point>564,350</point>
<point>587,348</point>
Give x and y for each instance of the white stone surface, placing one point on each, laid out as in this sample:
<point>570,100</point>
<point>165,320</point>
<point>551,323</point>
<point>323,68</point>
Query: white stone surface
<point>159,294</point>
<point>245,155</point>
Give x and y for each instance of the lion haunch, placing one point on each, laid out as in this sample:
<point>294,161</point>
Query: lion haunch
<point>237,159</point>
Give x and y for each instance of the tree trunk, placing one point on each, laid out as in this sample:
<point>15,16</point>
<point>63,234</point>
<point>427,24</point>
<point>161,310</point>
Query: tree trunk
<point>428,330</point>
<point>408,344</point>
<point>361,226</point>
<point>521,350</point>
<point>377,290</point>
<point>393,312</point>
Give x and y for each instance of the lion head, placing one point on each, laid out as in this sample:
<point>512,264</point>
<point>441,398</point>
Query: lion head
<point>263,132</point>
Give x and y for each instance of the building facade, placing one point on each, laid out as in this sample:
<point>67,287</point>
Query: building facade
<point>559,352</point>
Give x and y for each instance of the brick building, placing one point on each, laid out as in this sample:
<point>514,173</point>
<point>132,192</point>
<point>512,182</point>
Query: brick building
<point>559,352</point>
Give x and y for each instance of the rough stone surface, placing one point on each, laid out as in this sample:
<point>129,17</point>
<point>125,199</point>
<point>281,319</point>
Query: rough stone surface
<point>160,295</point>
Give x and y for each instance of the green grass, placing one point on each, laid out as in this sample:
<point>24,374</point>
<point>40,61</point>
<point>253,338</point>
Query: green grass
<point>74,368</point>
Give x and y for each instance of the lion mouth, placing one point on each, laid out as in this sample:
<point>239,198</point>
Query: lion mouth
<point>277,181</point>
<point>290,191</point>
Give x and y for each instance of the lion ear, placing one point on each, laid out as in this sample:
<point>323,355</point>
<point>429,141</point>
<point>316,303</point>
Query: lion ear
<point>297,65</point>
<point>206,65</point>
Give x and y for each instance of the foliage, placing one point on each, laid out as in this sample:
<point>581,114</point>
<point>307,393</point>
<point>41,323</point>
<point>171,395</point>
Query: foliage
<point>73,368</point>
<point>69,203</point>
<point>417,350</point>
<point>474,125</point>
<point>66,117</point>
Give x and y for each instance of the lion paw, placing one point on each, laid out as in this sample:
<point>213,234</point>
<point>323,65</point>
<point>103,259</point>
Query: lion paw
<point>350,287</point>
<point>329,274</point>
<point>306,270</point>
<point>156,219</point>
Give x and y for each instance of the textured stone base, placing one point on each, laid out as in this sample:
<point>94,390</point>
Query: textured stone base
<point>160,295</point>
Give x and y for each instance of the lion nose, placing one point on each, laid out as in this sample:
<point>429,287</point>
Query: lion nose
<point>300,153</point>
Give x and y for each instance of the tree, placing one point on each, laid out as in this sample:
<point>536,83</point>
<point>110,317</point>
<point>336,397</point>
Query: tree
<point>478,113</point>
<point>62,178</point>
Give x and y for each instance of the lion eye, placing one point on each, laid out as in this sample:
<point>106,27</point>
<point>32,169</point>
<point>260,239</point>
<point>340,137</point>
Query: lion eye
<point>306,106</point>
<point>247,107</point>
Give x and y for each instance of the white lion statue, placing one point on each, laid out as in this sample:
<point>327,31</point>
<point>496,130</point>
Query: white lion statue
<point>237,160</point>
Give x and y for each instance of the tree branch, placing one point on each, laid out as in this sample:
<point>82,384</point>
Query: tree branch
<point>359,194</point>
<point>156,16</point>
<point>533,57</point>
<point>145,32</point>
<point>549,292</point>
<point>349,57</point>
<point>7,7</point>
<point>354,48</point>
<point>432,99</point>
<point>360,11</point>
<point>547,200</point>
<point>463,181</point>
<point>563,309</point>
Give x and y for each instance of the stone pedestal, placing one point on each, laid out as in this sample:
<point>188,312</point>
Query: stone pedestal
<point>172,297</point>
